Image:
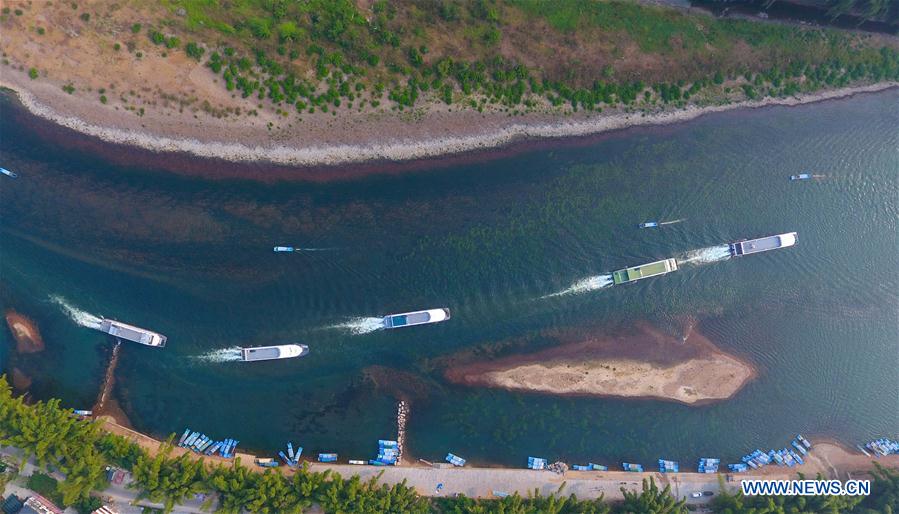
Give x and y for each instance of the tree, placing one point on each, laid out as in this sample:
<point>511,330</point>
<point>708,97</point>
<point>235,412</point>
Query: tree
<point>652,500</point>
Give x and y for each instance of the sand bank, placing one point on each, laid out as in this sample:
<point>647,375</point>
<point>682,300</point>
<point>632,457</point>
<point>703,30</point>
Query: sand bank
<point>643,363</point>
<point>349,138</point>
<point>25,332</point>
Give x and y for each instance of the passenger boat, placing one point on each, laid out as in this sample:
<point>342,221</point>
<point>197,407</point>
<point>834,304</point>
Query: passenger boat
<point>649,224</point>
<point>803,441</point>
<point>801,176</point>
<point>267,462</point>
<point>652,269</point>
<point>762,244</point>
<point>264,353</point>
<point>8,173</point>
<point>131,333</point>
<point>284,249</point>
<point>408,319</point>
<point>184,437</point>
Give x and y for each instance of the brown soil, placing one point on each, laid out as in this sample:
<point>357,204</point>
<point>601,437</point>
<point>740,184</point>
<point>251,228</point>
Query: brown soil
<point>25,332</point>
<point>642,363</point>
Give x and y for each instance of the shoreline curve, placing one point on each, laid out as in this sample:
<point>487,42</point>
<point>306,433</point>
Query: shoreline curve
<point>407,149</point>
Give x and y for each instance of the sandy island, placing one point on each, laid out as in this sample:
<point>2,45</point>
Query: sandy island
<point>643,363</point>
<point>25,332</point>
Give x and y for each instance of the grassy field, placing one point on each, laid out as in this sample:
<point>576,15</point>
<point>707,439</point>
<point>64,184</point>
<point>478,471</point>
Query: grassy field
<point>498,55</point>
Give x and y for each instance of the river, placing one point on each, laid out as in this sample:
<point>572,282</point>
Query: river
<point>517,245</point>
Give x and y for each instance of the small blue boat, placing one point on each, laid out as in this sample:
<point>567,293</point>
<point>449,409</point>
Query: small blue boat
<point>536,463</point>
<point>803,441</point>
<point>801,176</point>
<point>279,249</point>
<point>634,468</point>
<point>327,457</point>
<point>184,437</point>
<point>287,461</point>
<point>668,466</point>
<point>738,468</point>
<point>8,173</point>
<point>799,447</point>
<point>598,467</point>
<point>266,463</point>
<point>649,224</point>
<point>455,460</point>
<point>290,450</point>
<point>578,467</point>
<point>190,440</point>
<point>214,448</point>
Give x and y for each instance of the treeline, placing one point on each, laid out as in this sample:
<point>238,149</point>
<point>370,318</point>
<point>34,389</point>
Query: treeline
<point>81,450</point>
<point>327,54</point>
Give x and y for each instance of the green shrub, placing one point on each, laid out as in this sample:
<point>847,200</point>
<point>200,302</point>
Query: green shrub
<point>32,73</point>
<point>156,37</point>
<point>135,28</point>
<point>172,42</point>
<point>194,51</point>
<point>116,47</point>
<point>103,99</point>
<point>85,17</point>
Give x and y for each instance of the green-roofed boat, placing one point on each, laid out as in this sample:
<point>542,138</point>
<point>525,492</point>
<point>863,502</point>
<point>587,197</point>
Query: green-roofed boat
<point>652,269</point>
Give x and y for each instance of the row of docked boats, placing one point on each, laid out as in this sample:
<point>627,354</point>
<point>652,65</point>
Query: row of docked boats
<point>880,447</point>
<point>787,456</point>
<point>205,445</point>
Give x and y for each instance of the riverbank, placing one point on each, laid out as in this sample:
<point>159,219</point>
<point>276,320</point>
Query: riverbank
<point>827,457</point>
<point>643,363</point>
<point>321,140</point>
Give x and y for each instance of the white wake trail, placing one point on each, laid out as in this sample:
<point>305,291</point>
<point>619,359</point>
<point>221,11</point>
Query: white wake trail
<point>584,285</point>
<point>706,255</point>
<point>672,222</point>
<point>360,326</point>
<point>222,355</point>
<point>83,318</point>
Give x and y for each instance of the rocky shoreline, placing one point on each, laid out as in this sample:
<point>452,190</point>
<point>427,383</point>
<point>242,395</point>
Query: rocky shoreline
<point>356,140</point>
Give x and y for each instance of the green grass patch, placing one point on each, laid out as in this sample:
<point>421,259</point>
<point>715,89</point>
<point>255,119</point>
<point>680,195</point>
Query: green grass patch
<point>46,486</point>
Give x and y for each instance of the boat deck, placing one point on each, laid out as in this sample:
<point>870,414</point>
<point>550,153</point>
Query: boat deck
<point>258,354</point>
<point>644,271</point>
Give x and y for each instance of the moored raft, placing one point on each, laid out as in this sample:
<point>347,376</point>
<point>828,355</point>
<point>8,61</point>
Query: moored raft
<point>598,467</point>
<point>536,463</point>
<point>327,457</point>
<point>708,465</point>
<point>578,467</point>
<point>668,466</point>
<point>455,460</point>
<point>634,468</point>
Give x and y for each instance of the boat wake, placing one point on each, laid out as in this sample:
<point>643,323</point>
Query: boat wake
<point>317,249</point>
<point>223,355</point>
<point>672,222</point>
<point>706,255</point>
<point>584,285</point>
<point>85,319</point>
<point>360,326</point>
